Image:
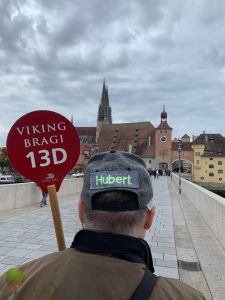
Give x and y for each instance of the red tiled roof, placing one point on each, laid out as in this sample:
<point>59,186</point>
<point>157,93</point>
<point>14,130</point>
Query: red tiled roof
<point>89,131</point>
<point>120,136</point>
<point>186,136</point>
<point>164,125</point>
<point>186,146</point>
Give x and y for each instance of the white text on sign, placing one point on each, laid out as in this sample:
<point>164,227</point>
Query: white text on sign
<point>46,160</point>
<point>40,129</point>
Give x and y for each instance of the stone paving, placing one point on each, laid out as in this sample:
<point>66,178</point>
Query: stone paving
<point>29,233</point>
<point>161,235</point>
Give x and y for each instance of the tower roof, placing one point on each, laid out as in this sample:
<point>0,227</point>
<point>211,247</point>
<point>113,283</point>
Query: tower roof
<point>164,124</point>
<point>104,110</point>
<point>163,113</point>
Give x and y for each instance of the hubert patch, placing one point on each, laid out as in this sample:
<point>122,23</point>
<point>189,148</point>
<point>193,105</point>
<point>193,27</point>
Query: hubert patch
<point>109,179</point>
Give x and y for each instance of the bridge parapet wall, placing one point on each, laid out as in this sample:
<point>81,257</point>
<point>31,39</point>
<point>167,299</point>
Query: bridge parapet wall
<point>210,206</point>
<point>13,196</point>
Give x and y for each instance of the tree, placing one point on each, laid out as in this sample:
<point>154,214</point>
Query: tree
<point>4,161</point>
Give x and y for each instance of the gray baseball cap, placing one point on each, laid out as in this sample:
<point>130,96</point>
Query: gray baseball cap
<point>117,170</point>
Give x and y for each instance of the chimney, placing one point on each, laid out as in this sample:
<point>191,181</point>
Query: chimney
<point>206,138</point>
<point>130,148</point>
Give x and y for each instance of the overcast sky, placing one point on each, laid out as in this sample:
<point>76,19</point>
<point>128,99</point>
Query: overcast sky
<point>54,55</point>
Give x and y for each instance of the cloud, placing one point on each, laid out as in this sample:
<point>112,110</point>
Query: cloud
<point>55,54</point>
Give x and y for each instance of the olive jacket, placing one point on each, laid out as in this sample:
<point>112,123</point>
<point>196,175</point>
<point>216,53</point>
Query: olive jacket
<point>98,266</point>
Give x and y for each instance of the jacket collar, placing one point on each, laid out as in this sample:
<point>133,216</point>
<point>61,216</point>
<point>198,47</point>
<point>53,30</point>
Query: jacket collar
<point>121,246</point>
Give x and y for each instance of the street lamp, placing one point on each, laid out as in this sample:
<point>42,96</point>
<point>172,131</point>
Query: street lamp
<point>179,148</point>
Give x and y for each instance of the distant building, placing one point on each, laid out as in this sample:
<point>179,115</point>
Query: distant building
<point>90,135</point>
<point>187,154</point>
<point>209,160</point>
<point>154,145</point>
<point>141,138</point>
<point>87,149</point>
<point>104,111</point>
<point>137,138</point>
<point>163,140</point>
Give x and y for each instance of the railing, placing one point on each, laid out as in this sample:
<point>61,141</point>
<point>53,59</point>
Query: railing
<point>13,196</point>
<point>210,206</point>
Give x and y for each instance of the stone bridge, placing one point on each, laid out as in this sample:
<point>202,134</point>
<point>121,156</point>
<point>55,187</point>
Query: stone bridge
<point>187,237</point>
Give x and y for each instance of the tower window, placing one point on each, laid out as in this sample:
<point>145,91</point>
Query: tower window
<point>211,174</point>
<point>220,171</point>
<point>220,162</point>
<point>211,166</point>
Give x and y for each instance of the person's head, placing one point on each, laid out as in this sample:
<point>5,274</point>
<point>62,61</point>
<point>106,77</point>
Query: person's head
<point>117,194</point>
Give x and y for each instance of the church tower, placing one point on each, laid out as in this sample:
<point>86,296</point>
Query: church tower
<point>163,140</point>
<point>104,111</point>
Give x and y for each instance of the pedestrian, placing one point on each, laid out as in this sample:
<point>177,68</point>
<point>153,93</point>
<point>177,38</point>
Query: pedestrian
<point>44,198</point>
<point>109,258</point>
<point>157,173</point>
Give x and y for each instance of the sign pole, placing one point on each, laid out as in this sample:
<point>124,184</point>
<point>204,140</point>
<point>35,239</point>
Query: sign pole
<point>56,217</point>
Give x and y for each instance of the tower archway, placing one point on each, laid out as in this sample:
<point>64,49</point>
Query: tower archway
<point>186,166</point>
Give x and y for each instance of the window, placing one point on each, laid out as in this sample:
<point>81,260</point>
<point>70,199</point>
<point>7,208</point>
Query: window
<point>197,162</point>
<point>150,161</point>
<point>220,179</point>
<point>206,171</point>
<point>211,158</point>
<point>202,178</point>
<point>211,174</point>
<point>220,171</point>
<point>197,153</point>
<point>220,162</point>
<point>211,166</point>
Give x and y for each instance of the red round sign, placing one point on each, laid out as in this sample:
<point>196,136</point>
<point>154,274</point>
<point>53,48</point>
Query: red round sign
<point>43,146</point>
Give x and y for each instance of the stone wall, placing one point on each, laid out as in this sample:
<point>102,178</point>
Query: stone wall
<point>19,195</point>
<point>210,206</point>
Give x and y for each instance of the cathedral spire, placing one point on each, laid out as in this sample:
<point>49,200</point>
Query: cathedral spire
<point>103,93</point>
<point>71,119</point>
<point>104,110</point>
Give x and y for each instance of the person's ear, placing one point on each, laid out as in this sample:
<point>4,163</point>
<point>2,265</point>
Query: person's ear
<point>149,218</point>
<point>81,211</point>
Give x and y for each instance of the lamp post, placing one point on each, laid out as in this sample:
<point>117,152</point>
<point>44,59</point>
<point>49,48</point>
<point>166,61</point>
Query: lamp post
<point>179,147</point>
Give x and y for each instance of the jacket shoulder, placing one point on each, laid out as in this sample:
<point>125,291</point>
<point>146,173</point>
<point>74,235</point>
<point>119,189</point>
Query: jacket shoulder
<point>36,273</point>
<point>170,289</point>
